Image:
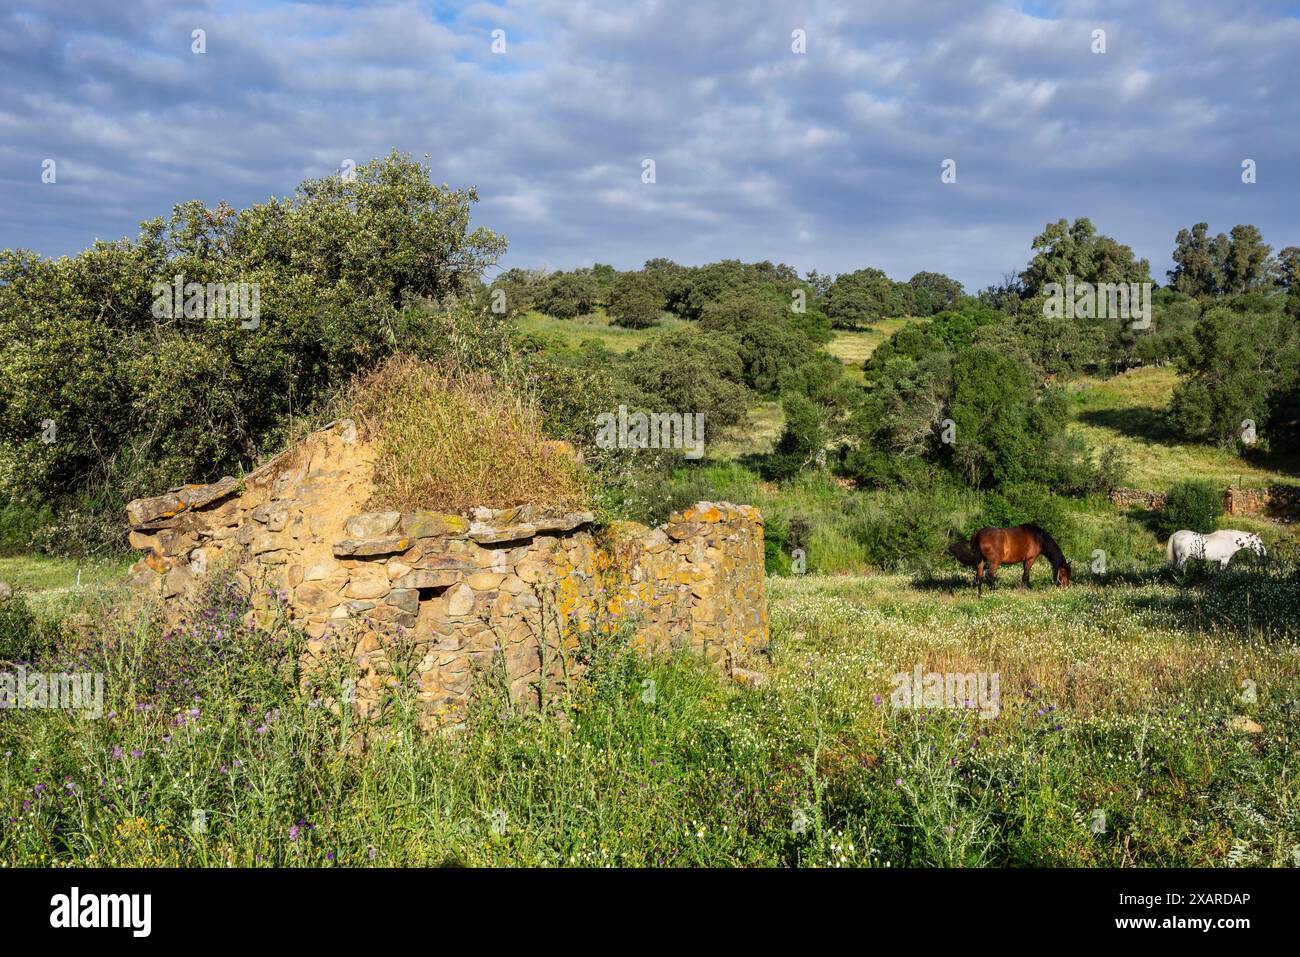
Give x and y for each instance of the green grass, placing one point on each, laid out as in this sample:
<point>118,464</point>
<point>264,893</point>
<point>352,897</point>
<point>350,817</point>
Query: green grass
<point>51,584</point>
<point>850,530</point>
<point>1127,410</point>
<point>1115,698</point>
<point>854,348</point>
<point>851,347</point>
<point>453,443</point>
<point>570,333</point>
<point>1118,698</point>
<point>755,437</point>
<point>766,419</point>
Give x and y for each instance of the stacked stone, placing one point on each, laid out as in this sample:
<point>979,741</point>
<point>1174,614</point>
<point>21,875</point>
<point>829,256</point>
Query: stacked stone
<point>449,594</point>
<point>1281,500</point>
<point>1128,497</point>
<point>276,520</point>
<point>460,591</point>
<point>698,580</point>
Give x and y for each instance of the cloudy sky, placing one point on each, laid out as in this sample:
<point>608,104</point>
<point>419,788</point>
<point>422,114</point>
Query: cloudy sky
<point>828,159</point>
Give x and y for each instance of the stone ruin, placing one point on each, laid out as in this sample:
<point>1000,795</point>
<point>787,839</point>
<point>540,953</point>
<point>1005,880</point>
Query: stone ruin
<point>512,588</point>
<point>1136,498</point>
<point>1278,501</point>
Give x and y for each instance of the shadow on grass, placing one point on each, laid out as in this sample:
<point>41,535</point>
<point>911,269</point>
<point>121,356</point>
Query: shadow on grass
<point>1139,422</point>
<point>755,462</point>
<point>1128,577</point>
<point>1151,424</point>
<point>1251,597</point>
<point>953,582</point>
<point>1148,518</point>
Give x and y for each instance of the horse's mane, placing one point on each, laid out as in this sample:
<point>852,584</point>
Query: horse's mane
<point>1048,545</point>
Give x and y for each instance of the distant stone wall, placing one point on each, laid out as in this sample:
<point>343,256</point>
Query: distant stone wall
<point>1278,500</point>
<point>1135,497</point>
<point>459,590</point>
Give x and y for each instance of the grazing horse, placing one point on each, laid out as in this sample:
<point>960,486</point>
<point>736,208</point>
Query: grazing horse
<point>1217,546</point>
<point>998,546</point>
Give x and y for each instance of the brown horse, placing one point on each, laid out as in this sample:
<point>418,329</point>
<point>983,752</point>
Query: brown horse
<point>995,547</point>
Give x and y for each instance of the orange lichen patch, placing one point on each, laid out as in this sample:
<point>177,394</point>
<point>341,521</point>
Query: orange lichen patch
<point>697,514</point>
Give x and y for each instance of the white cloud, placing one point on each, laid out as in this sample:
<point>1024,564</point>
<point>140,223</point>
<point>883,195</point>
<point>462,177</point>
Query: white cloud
<point>828,159</point>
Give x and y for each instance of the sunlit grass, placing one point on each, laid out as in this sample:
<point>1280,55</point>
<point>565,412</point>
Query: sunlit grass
<point>756,437</point>
<point>455,442</point>
<point>854,347</point>
<point>59,586</point>
<point>1127,410</point>
<point>1116,698</point>
<point>570,333</point>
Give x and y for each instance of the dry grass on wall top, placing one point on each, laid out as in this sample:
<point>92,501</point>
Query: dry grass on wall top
<point>452,441</point>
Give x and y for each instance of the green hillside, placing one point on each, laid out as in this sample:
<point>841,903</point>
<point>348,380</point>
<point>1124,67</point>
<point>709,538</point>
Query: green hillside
<point>1128,410</point>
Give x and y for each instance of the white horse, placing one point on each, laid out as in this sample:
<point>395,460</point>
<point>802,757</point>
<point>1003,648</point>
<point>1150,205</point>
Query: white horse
<point>1217,546</point>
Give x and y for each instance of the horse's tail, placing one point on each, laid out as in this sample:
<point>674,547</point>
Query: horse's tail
<point>1169,548</point>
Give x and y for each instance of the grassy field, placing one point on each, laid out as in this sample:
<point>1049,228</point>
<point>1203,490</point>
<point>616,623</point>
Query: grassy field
<point>854,348</point>
<point>1138,718</point>
<point>848,531</point>
<point>56,586</point>
<point>765,418</point>
<point>570,333</point>
<point>756,437</point>
<point>1128,411</point>
<point>1121,733</point>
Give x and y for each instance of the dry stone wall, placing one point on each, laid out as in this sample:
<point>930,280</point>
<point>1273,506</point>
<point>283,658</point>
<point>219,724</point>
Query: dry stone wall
<point>513,589</point>
<point>1131,497</point>
<point>1279,501</point>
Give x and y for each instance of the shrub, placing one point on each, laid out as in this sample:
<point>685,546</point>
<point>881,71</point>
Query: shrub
<point>865,296</point>
<point>771,340</point>
<point>689,371</point>
<point>1241,364</point>
<point>818,399</point>
<point>19,521</point>
<point>24,638</point>
<point>1028,504</point>
<point>906,530</point>
<point>567,295</point>
<point>635,301</point>
<point>570,399</point>
<point>452,441</point>
<point>689,290</point>
<point>992,398</point>
<point>141,399</point>
<point>801,442</point>
<point>933,292</point>
<point>518,290</point>
<point>1190,504</point>
<point>776,557</point>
